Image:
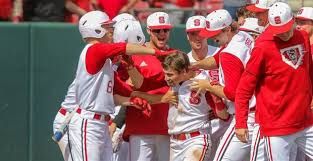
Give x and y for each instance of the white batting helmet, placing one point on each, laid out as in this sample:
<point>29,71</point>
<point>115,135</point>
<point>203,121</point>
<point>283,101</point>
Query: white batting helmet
<point>129,31</point>
<point>123,16</point>
<point>90,24</point>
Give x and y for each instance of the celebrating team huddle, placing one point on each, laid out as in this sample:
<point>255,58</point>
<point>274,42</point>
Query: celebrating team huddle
<point>249,99</point>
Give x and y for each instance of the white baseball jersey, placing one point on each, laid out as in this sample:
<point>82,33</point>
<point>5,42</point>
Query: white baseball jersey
<point>192,111</point>
<point>240,46</point>
<point>212,50</point>
<point>69,102</point>
<point>95,92</point>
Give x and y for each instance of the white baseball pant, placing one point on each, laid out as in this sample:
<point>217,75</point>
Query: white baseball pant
<point>257,152</point>
<point>149,147</point>
<point>279,148</point>
<point>191,149</point>
<point>89,139</point>
<point>218,129</point>
<point>231,148</point>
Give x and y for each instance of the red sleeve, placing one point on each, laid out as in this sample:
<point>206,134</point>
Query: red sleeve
<point>232,69</point>
<point>246,87</point>
<point>120,87</point>
<point>98,53</point>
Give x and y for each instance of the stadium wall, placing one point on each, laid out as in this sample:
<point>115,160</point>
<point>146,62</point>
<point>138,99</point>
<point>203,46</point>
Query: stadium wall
<point>37,63</point>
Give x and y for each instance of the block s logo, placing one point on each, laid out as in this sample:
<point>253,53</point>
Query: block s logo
<point>161,19</point>
<point>196,22</point>
<point>300,11</point>
<point>277,20</point>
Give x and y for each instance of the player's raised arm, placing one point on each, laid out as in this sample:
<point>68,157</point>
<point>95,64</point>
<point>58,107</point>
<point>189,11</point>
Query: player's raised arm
<point>207,63</point>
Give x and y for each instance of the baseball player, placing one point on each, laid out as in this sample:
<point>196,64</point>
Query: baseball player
<point>231,61</point>
<point>148,136</point>
<point>68,105</point>
<point>88,129</point>
<point>260,8</point>
<point>279,58</point>
<point>199,51</point>
<point>304,20</point>
<point>126,30</point>
<point>188,122</point>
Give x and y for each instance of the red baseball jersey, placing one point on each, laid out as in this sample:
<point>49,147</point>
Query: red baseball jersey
<point>280,74</point>
<point>136,123</point>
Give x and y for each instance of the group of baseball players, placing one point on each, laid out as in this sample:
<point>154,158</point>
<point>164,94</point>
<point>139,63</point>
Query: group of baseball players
<point>249,99</point>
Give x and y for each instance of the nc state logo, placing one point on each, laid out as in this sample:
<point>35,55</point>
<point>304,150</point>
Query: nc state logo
<point>196,22</point>
<point>293,55</point>
<point>277,20</point>
<point>207,23</point>
<point>161,19</point>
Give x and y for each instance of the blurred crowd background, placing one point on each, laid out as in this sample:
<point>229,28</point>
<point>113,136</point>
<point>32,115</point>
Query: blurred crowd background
<point>70,11</point>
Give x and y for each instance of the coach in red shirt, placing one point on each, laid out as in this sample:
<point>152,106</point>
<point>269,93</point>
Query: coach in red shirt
<point>279,72</point>
<point>148,136</point>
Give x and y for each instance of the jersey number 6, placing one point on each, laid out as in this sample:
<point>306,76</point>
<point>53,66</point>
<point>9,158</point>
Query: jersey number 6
<point>110,87</point>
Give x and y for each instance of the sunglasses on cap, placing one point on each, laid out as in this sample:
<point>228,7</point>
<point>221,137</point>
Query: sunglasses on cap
<point>159,30</point>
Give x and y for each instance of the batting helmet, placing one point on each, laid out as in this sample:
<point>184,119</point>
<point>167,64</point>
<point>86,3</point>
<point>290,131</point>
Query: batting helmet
<point>129,31</point>
<point>122,17</point>
<point>90,24</point>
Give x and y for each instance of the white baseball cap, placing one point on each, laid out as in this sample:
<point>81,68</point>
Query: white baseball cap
<point>305,13</point>
<point>159,20</point>
<point>215,22</point>
<point>261,5</point>
<point>251,25</point>
<point>123,16</point>
<point>195,23</point>
<point>129,31</point>
<point>90,24</point>
<point>280,18</point>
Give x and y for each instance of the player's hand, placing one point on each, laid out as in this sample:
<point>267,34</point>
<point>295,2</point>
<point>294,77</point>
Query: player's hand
<point>170,97</point>
<point>141,104</point>
<point>212,115</point>
<point>242,134</point>
<point>112,129</point>
<point>117,140</point>
<point>200,84</point>
<point>159,53</point>
<point>194,66</point>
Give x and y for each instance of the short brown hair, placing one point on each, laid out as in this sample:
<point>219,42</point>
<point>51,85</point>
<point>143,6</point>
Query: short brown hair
<point>178,61</point>
<point>243,12</point>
